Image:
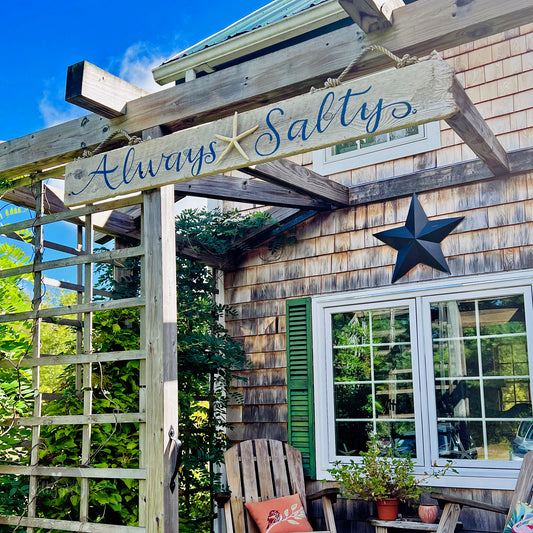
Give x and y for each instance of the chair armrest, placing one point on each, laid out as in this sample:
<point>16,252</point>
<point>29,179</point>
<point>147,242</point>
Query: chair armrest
<point>443,499</point>
<point>222,498</point>
<point>330,492</point>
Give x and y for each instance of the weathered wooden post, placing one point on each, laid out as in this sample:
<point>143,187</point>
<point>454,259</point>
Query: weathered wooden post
<point>159,289</point>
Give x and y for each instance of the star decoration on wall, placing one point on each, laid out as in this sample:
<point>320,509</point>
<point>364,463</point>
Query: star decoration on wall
<point>419,240</point>
<point>234,140</point>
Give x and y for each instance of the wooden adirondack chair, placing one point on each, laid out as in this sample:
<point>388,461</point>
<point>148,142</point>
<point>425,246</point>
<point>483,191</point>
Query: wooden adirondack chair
<point>453,505</point>
<point>259,470</point>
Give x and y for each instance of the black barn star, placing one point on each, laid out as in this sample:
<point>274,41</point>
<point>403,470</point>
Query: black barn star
<point>419,240</point>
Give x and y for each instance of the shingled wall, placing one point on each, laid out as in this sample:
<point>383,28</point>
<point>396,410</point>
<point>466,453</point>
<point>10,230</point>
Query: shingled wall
<point>336,251</point>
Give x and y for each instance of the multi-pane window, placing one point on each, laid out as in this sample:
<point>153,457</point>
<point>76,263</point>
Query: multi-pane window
<point>373,377</point>
<point>377,148</point>
<point>441,375</point>
<point>481,368</point>
<point>377,140</point>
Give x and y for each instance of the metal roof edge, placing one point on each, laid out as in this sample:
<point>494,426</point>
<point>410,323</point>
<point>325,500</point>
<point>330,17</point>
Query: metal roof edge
<point>247,43</point>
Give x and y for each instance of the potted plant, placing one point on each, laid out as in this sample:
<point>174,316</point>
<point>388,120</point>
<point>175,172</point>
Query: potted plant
<point>383,477</point>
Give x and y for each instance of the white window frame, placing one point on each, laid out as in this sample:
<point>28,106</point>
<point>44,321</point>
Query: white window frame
<point>470,474</point>
<point>325,163</point>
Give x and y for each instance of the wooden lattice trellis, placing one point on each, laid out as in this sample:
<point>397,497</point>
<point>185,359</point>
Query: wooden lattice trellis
<point>157,403</point>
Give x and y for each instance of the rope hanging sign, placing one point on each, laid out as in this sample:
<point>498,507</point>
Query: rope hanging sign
<point>339,112</point>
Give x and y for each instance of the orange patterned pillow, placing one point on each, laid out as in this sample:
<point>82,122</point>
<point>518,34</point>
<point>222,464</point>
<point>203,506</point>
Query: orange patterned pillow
<point>281,515</point>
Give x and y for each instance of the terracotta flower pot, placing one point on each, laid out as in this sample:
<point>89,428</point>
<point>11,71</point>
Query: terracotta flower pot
<point>428,512</point>
<point>388,508</point>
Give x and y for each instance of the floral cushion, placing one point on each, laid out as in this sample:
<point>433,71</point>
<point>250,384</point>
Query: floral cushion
<point>281,515</point>
<point>521,521</point>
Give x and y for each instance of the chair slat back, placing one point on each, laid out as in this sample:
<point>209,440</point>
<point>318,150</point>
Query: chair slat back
<point>524,485</point>
<point>259,470</point>
<point>264,472</point>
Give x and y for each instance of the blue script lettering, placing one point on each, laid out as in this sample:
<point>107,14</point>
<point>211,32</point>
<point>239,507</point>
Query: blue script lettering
<point>269,137</point>
<point>363,110</point>
<point>104,171</point>
<point>347,109</point>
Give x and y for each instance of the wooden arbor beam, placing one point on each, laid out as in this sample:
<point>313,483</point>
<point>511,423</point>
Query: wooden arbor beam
<point>418,28</point>
<point>238,189</point>
<point>301,179</point>
<point>109,222</point>
<point>472,128</point>
<point>436,178</point>
<point>99,91</point>
<point>371,15</point>
<point>419,93</point>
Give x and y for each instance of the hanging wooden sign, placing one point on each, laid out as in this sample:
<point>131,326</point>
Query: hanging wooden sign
<point>376,104</point>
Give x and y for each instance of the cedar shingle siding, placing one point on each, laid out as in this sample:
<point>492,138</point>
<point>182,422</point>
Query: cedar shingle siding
<point>336,251</point>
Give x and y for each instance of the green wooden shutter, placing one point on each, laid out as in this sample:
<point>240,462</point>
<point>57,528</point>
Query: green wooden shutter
<point>301,419</point>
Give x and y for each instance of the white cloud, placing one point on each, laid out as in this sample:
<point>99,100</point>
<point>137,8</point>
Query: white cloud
<point>55,110</point>
<point>136,66</point>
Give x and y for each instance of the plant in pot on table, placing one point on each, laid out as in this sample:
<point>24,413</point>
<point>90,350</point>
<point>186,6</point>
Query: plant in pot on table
<point>382,477</point>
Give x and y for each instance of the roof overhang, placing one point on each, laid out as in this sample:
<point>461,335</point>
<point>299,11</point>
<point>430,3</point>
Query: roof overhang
<point>248,43</point>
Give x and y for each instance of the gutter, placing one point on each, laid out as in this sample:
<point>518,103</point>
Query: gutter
<point>206,60</point>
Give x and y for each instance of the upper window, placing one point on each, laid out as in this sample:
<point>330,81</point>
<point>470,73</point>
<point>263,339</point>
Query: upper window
<point>441,375</point>
<point>378,148</point>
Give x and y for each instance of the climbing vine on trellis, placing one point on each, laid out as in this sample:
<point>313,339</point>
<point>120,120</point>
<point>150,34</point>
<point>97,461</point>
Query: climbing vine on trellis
<point>206,356</point>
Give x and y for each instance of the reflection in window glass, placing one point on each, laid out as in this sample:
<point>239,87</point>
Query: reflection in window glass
<point>373,378</point>
<point>374,140</point>
<point>481,376</point>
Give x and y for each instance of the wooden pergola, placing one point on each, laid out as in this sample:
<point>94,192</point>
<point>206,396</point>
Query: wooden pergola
<point>144,222</point>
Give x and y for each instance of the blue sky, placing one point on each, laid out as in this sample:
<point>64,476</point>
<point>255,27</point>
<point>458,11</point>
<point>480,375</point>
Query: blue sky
<point>41,39</point>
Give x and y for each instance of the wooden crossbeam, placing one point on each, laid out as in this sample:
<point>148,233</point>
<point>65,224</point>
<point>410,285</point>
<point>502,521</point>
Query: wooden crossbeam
<point>67,525</point>
<point>395,99</point>
<point>53,360</point>
<point>473,129</point>
<point>436,178</point>
<point>280,219</point>
<point>111,223</point>
<point>238,189</point>
<point>418,28</point>
<point>66,420</point>
<point>99,91</point>
<point>301,179</point>
<point>371,15</point>
<point>112,256</point>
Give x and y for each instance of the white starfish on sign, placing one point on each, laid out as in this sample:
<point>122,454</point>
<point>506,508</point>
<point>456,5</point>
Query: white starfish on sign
<point>234,140</point>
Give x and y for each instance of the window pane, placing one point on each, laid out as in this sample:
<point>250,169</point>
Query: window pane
<point>351,437</point>
<point>458,399</point>
<point>394,399</point>
<point>500,436</point>
<point>353,401</point>
<point>453,320</point>
<point>372,141</point>
<point>373,378</point>
<point>481,374</point>
<point>502,315</point>
<point>458,440</point>
<point>390,325</point>
<point>352,364</point>
<point>523,442</point>
<point>344,147</point>
<point>393,362</point>
<point>400,134</point>
<point>405,437</point>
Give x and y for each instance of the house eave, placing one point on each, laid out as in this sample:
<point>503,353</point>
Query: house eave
<point>208,59</point>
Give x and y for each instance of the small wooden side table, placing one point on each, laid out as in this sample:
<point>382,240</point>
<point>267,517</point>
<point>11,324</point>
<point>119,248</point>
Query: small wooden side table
<point>382,526</point>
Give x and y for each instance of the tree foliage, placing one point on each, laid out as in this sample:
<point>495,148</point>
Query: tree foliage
<point>206,357</point>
